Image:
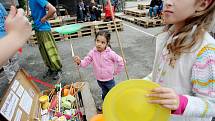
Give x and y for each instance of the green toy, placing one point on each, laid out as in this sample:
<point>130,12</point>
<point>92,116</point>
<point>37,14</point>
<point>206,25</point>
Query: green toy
<point>68,29</point>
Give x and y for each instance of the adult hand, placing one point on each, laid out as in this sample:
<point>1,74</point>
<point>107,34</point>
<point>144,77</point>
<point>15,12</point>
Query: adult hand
<point>18,25</point>
<point>77,60</point>
<point>167,97</point>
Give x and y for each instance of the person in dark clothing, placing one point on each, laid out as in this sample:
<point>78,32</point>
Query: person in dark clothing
<point>98,12</point>
<point>92,8</point>
<point>156,7</point>
<point>95,11</point>
<point>87,13</point>
<point>81,11</point>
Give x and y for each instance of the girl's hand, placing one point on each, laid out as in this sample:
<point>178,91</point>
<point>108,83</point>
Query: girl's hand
<point>77,60</point>
<point>167,98</point>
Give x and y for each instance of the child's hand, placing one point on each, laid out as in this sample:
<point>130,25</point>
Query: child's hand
<point>77,60</point>
<point>168,98</point>
<point>18,25</point>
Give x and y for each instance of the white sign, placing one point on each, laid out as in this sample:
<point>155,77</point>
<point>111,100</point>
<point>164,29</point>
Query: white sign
<point>18,115</point>
<point>9,105</point>
<point>26,102</point>
<point>15,85</point>
<point>20,91</point>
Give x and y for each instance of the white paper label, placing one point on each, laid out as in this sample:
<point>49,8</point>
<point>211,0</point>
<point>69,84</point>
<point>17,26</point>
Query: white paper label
<point>31,92</point>
<point>26,102</point>
<point>20,91</point>
<point>9,105</point>
<point>18,115</point>
<point>15,85</point>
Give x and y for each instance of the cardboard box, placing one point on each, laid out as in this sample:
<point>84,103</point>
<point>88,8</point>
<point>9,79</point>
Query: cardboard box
<point>20,102</point>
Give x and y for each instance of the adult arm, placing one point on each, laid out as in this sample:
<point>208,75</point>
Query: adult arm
<point>18,29</point>
<point>51,9</point>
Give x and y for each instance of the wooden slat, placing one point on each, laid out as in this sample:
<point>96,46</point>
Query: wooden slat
<point>89,29</point>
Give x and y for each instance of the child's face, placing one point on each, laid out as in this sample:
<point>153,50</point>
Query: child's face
<point>177,11</point>
<point>101,43</point>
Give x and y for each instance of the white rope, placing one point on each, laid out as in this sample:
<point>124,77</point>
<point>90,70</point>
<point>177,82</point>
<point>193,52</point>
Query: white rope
<point>139,30</point>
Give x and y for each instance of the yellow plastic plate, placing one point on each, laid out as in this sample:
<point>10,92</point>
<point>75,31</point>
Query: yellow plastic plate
<point>127,101</point>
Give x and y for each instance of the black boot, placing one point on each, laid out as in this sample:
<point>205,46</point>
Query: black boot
<point>57,75</point>
<point>48,73</point>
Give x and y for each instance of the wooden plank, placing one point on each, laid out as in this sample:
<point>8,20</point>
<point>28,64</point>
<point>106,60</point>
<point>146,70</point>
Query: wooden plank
<point>148,22</point>
<point>126,18</point>
<point>144,5</point>
<point>88,102</point>
<point>62,20</point>
<point>135,12</point>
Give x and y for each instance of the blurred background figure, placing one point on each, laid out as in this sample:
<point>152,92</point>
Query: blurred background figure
<point>107,10</point>
<point>81,11</point>
<point>155,8</point>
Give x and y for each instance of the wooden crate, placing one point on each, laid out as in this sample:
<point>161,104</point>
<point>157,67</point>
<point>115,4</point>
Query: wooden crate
<point>119,26</point>
<point>126,18</point>
<point>148,22</point>
<point>89,29</point>
<point>143,6</point>
<point>84,102</point>
<point>135,12</point>
<point>56,22</point>
<point>99,25</point>
<point>70,20</point>
<point>84,99</point>
<point>85,31</point>
<point>62,20</point>
<point>33,40</point>
<point>57,36</point>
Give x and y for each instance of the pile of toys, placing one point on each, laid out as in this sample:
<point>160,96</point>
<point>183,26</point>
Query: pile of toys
<point>63,103</point>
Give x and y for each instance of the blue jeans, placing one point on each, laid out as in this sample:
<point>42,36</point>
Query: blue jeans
<point>92,17</point>
<point>160,9</point>
<point>106,86</point>
<point>154,10</point>
<point>80,15</point>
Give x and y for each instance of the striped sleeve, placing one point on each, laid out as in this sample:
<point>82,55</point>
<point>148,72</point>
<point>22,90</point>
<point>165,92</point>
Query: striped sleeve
<point>202,104</point>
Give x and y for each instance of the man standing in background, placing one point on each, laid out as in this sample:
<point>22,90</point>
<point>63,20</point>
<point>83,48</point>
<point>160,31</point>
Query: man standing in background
<point>47,45</point>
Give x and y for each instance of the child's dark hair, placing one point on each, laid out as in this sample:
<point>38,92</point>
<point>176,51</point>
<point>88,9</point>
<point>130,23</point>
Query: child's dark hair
<point>106,34</point>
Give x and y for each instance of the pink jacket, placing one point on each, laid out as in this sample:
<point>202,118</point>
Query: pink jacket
<point>103,63</point>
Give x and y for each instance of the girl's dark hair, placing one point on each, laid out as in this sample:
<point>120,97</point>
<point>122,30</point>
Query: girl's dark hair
<point>106,34</point>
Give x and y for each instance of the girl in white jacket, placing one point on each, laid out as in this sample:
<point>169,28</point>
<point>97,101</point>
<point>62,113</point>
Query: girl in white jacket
<point>184,64</point>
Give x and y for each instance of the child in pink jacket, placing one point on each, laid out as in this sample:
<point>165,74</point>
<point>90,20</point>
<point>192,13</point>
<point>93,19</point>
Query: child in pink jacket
<point>104,60</point>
